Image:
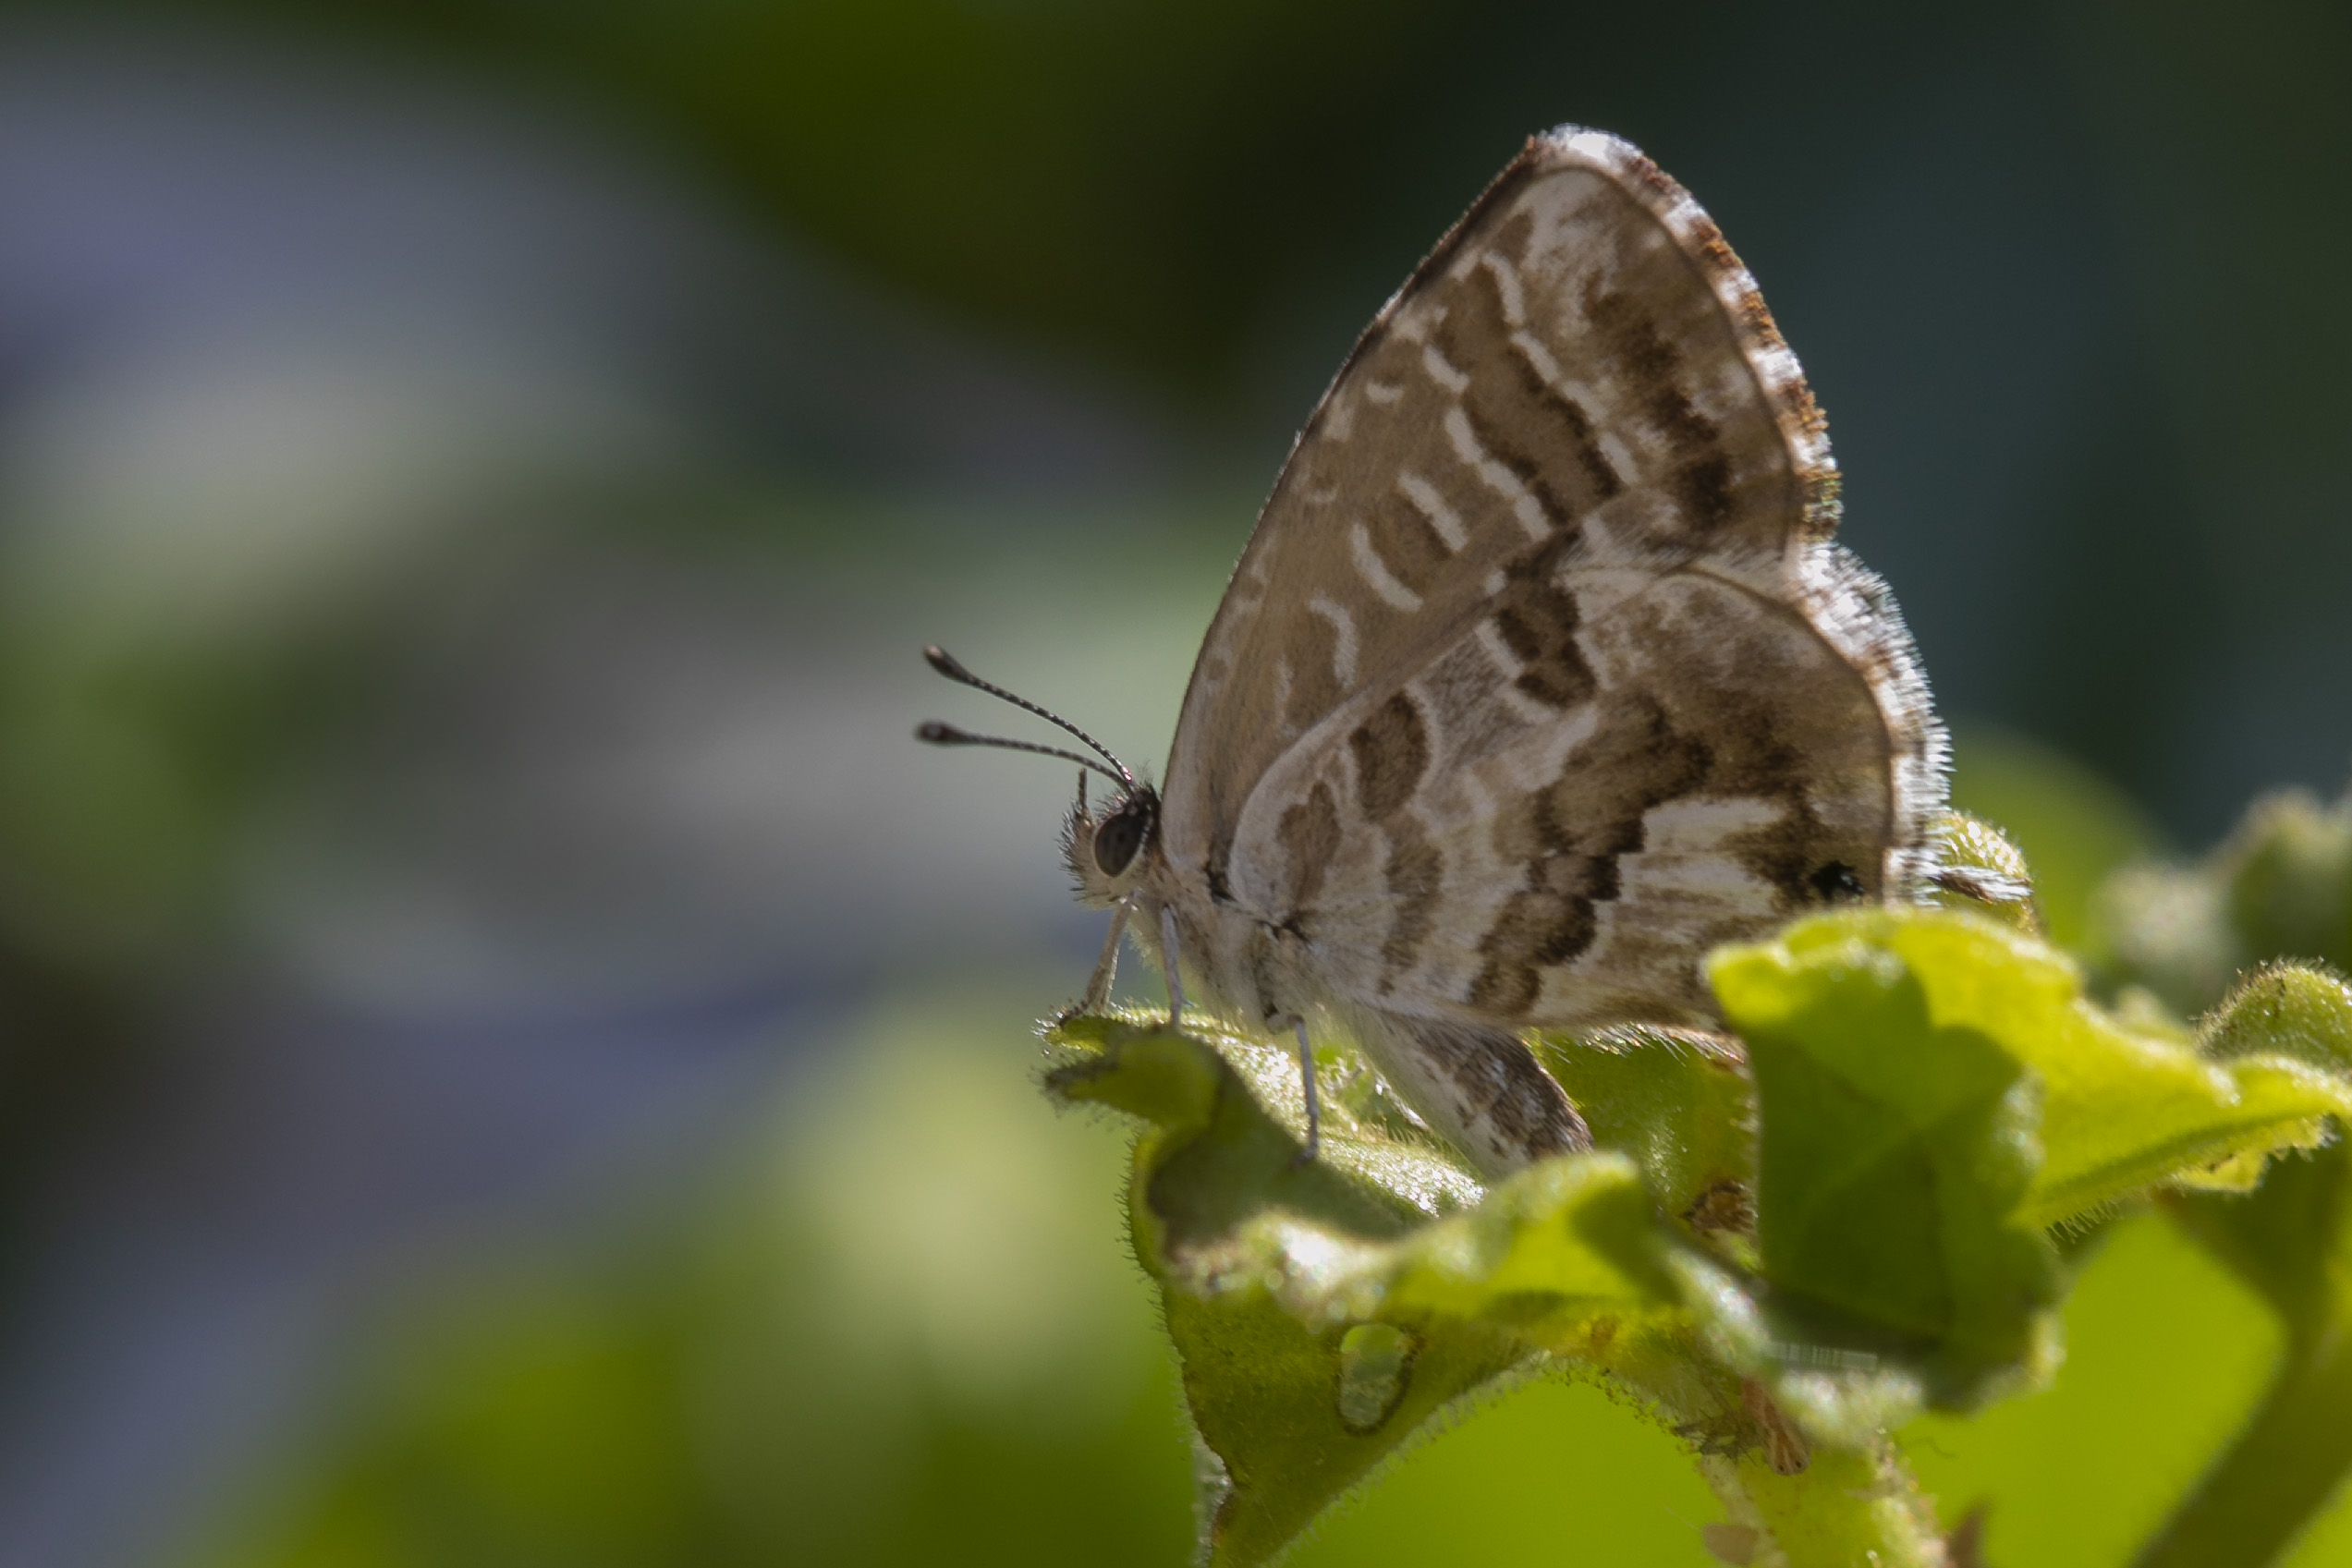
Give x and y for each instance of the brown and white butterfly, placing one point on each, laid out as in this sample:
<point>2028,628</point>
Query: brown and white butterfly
<point>1540,676</point>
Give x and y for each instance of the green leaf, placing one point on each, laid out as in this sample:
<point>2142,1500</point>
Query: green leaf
<point>2122,1111</point>
<point>1934,1090</point>
<point>1682,1108</point>
<point>2290,1239</point>
<point>1215,1156</point>
<point>2280,887</point>
<point>1896,1151</point>
<point>1285,1429</point>
<point>1325,1312</point>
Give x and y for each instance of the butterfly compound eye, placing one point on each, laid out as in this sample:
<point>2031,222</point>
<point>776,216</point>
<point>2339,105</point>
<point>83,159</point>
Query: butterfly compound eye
<point>1838,882</point>
<point>1121,835</point>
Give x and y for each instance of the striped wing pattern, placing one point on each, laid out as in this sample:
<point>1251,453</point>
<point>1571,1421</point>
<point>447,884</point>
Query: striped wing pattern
<point>1540,675</point>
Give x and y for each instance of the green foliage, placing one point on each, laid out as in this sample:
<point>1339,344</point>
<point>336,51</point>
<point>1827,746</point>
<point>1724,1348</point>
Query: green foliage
<point>1680,1108</point>
<point>2121,1109</point>
<point>1787,1242</point>
<point>1898,1147</point>
<point>1275,1269</point>
<point>2291,1240</point>
<point>2279,887</point>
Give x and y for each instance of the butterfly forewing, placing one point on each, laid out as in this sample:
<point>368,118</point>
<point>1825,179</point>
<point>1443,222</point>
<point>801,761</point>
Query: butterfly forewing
<point>1538,678</point>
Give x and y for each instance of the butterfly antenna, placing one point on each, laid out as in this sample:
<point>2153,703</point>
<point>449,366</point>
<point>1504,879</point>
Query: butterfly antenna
<point>932,733</point>
<point>949,665</point>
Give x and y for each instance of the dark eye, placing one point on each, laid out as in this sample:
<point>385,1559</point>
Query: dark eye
<point>1836,881</point>
<point>1117,839</point>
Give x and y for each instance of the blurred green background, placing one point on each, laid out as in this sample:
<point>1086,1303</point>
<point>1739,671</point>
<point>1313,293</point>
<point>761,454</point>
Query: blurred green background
<point>507,1053</point>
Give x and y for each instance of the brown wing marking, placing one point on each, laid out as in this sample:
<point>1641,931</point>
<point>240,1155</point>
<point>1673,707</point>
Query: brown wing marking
<point>1482,1089</point>
<point>1569,838</point>
<point>1537,617</point>
<point>1310,836</point>
<point>1700,481</point>
<point>1391,753</point>
<point>1515,410</point>
<point>1720,702</point>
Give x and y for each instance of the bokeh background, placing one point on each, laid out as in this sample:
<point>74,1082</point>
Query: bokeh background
<point>510,1055</point>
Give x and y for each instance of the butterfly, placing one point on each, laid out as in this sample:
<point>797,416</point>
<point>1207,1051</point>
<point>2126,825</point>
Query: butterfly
<point>1540,676</point>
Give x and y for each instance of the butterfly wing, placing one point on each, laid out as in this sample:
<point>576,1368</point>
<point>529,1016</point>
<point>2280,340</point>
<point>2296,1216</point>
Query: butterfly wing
<point>1539,676</point>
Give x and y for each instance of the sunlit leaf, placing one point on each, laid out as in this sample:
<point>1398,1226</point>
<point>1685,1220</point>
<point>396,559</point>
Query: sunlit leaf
<point>1933,1089</point>
<point>1682,1108</point>
<point>1896,1151</point>
<point>1325,1312</point>
<point>1323,1316</point>
<point>2122,1111</point>
<point>1787,1242</point>
<point>1287,1430</point>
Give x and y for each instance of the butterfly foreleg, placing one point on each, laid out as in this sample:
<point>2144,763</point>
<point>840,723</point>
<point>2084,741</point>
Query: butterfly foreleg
<point>1106,968</point>
<point>1305,1156</point>
<point>1168,962</point>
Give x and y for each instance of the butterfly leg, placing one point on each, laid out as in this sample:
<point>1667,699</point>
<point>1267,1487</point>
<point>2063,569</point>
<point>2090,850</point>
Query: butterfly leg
<point>1305,1156</point>
<point>1168,960</point>
<point>1106,968</point>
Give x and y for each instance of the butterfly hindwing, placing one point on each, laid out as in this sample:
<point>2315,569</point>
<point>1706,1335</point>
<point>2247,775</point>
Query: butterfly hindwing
<point>1454,847</point>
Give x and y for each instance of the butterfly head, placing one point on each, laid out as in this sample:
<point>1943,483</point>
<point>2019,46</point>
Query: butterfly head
<point>1108,850</point>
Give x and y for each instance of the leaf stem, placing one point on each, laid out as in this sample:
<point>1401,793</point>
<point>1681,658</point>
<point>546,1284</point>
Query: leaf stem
<point>1846,1506</point>
<point>1839,1507</point>
<point>2282,1468</point>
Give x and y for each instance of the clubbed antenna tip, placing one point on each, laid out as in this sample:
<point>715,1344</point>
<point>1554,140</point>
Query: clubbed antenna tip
<point>937,734</point>
<point>932,733</point>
